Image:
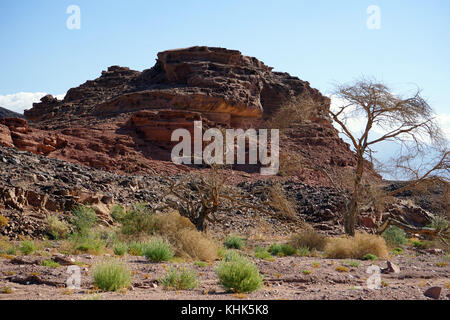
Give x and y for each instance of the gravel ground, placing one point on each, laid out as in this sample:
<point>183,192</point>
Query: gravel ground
<point>284,279</point>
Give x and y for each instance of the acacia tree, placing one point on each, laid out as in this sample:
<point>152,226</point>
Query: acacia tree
<point>408,121</point>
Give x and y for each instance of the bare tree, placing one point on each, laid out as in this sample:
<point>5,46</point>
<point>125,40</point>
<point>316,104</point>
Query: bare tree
<point>408,121</point>
<point>202,197</point>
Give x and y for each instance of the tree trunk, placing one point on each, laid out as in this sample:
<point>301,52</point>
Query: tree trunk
<point>352,209</point>
<point>350,217</point>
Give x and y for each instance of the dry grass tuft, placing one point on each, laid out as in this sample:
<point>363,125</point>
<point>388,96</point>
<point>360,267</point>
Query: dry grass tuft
<point>310,239</point>
<point>188,242</point>
<point>356,247</point>
<point>280,203</point>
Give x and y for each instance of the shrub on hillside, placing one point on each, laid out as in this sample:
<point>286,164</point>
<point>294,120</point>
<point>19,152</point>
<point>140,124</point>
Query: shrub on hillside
<point>394,236</point>
<point>27,247</point>
<point>56,228</point>
<point>84,218</point>
<point>138,220</point>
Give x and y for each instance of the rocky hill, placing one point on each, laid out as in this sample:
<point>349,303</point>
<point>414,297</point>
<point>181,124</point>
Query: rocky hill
<point>5,113</point>
<point>122,121</point>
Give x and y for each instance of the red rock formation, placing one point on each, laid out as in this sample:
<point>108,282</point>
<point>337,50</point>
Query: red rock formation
<point>122,121</point>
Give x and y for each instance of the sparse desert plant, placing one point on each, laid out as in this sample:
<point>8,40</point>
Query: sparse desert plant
<point>307,272</point>
<point>310,239</point>
<point>303,252</point>
<point>84,218</point>
<point>356,247</point>
<point>137,248</point>
<point>231,255</point>
<point>183,279</point>
<point>138,220</point>
<point>50,264</point>
<point>27,247</point>
<point>120,249</point>
<point>239,275</point>
<point>200,264</point>
<point>6,290</point>
<point>394,236</point>
<point>195,245</point>
<point>188,242</point>
<point>3,221</point>
<point>282,250</point>
<point>418,244</point>
<point>117,212</point>
<point>280,203</point>
<point>87,242</point>
<point>111,276</point>
<point>439,223</point>
<point>57,228</point>
<point>370,256</point>
<point>262,253</point>
<point>234,242</point>
<point>351,263</point>
<point>342,269</point>
<point>316,264</point>
<point>397,251</point>
<point>158,250</point>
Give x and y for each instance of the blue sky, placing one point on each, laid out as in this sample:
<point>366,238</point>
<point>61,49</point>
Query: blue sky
<point>319,41</point>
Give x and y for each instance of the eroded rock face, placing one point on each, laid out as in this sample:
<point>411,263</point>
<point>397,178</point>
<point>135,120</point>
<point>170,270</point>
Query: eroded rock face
<point>123,120</point>
<point>202,79</point>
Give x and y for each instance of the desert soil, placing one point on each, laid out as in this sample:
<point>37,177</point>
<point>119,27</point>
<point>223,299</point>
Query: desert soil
<point>284,279</point>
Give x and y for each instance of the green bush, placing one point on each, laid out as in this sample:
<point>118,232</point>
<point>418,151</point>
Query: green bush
<point>158,250</point>
<point>50,264</point>
<point>111,276</point>
<point>370,256</point>
<point>239,275</point>
<point>351,263</point>
<point>183,279</point>
<point>439,223</point>
<point>137,248</point>
<point>303,252</point>
<point>56,228</point>
<point>230,255</point>
<point>419,244</point>
<point>87,242</point>
<point>138,220</point>
<point>200,264</point>
<point>282,250</point>
<point>262,253</point>
<point>234,242</point>
<point>84,218</point>
<point>117,213</point>
<point>120,249</point>
<point>394,236</point>
<point>397,251</point>
<point>27,247</point>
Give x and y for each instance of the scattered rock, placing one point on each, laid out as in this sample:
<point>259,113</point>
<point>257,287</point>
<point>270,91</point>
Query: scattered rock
<point>433,292</point>
<point>391,268</point>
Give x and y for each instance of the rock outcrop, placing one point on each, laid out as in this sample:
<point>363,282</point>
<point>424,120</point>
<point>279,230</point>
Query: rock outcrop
<point>123,120</point>
<point>5,113</point>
